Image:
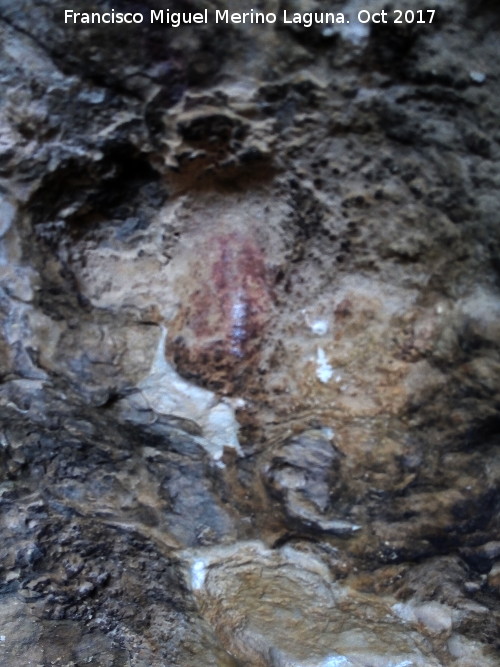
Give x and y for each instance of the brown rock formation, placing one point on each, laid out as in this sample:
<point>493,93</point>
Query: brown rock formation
<point>249,337</point>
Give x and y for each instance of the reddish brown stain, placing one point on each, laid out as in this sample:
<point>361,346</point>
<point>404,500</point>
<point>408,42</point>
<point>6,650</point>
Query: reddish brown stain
<point>344,309</point>
<point>218,332</point>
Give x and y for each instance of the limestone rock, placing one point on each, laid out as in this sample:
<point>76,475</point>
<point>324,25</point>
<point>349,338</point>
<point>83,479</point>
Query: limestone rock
<point>305,471</point>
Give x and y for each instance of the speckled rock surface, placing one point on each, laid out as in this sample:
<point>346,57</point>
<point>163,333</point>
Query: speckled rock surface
<point>249,339</point>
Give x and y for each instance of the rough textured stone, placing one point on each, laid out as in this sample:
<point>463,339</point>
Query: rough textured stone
<point>249,338</point>
<point>304,474</point>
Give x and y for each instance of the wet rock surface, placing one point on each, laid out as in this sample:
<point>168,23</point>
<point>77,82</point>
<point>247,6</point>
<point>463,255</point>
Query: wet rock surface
<point>249,340</point>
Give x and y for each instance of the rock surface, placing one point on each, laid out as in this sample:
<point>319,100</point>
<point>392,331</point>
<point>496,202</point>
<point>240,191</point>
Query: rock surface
<point>249,339</point>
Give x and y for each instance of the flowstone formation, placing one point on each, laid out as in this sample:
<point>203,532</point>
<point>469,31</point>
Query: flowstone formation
<point>249,341</point>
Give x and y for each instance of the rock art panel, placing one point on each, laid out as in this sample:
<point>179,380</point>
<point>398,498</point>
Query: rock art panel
<point>217,334</point>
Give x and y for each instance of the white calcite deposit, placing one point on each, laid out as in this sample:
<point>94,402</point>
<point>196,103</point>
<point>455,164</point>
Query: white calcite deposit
<point>167,393</point>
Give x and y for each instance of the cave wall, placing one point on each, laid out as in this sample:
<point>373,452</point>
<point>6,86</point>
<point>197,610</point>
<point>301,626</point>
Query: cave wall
<point>250,309</point>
